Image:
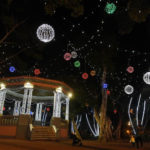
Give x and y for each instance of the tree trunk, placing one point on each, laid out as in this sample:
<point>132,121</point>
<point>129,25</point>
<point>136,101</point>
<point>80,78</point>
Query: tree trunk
<point>76,130</point>
<point>117,132</point>
<point>102,136</point>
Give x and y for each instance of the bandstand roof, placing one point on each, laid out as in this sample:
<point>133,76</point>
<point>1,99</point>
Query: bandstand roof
<point>43,88</point>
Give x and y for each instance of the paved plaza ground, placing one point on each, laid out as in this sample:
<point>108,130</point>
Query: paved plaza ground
<point>13,144</point>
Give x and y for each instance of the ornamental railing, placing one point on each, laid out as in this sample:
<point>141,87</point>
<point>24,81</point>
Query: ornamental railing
<point>9,120</point>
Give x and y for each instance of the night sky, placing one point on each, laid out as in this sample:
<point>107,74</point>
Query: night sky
<point>125,43</point>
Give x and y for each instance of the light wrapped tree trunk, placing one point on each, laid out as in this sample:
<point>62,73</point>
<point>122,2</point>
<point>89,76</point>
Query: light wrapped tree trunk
<point>76,130</point>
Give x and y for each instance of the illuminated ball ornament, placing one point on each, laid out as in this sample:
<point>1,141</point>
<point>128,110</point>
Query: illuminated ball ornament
<point>128,89</point>
<point>67,56</point>
<point>45,33</point>
<point>37,71</point>
<point>48,109</point>
<point>4,108</point>
<point>74,54</point>
<point>130,69</point>
<point>12,69</point>
<point>105,86</point>
<point>85,75</point>
<point>146,78</point>
<point>115,111</point>
<point>77,63</point>
<point>108,92</point>
<point>93,73</point>
<point>110,8</point>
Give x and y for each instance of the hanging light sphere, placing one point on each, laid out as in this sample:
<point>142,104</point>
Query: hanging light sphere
<point>67,56</point>
<point>37,71</point>
<point>110,8</point>
<point>45,33</point>
<point>85,76</point>
<point>130,69</point>
<point>12,69</point>
<point>128,89</point>
<point>93,73</point>
<point>77,63</point>
<point>74,54</point>
<point>146,77</point>
<point>47,109</point>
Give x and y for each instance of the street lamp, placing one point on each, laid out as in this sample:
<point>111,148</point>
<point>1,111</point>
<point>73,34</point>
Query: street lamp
<point>69,95</point>
<point>2,86</point>
<point>28,85</point>
<point>59,90</point>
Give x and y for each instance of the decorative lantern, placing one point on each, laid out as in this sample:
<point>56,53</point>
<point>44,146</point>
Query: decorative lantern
<point>105,86</point>
<point>37,71</point>
<point>45,33</point>
<point>130,69</point>
<point>128,89</point>
<point>110,8</point>
<point>12,69</point>
<point>77,63</point>
<point>115,111</point>
<point>93,73</point>
<point>85,76</point>
<point>48,109</point>
<point>74,54</point>
<point>146,78</point>
<point>108,92</point>
<point>67,56</point>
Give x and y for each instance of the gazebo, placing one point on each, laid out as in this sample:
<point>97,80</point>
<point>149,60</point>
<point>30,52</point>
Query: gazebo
<point>26,89</point>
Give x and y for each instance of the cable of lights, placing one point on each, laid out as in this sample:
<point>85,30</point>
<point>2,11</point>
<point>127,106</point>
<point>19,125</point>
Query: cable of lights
<point>90,126</point>
<point>137,110</point>
<point>130,115</point>
<point>143,112</point>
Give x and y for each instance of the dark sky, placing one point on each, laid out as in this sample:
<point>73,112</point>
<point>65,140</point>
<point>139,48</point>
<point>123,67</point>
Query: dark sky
<point>87,34</point>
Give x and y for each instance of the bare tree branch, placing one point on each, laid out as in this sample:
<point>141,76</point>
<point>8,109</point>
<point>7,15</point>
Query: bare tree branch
<point>11,30</point>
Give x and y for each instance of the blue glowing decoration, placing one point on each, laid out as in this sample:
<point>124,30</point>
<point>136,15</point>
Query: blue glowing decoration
<point>31,113</point>
<point>105,86</point>
<point>12,69</point>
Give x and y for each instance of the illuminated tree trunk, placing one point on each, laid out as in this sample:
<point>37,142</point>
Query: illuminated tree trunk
<point>76,130</point>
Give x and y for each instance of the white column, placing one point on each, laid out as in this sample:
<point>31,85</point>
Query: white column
<point>17,108</point>
<point>38,114</point>
<point>2,100</point>
<point>57,105</point>
<point>29,100</point>
<point>54,104</point>
<point>67,109</point>
<point>25,96</point>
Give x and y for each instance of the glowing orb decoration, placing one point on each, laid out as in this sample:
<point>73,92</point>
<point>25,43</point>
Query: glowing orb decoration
<point>110,8</point>
<point>128,89</point>
<point>77,63</point>
<point>105,86</point>
<point>130,69</point>
<point>12,69</point>
<point>108,92</point>
<point>74,54</point>
<point>67,56</point>
<point>4,108</point>
<point>37,71</point>
<point>85,75</point>
<point>93,73</point>
<point>115,111</point>
<point>146,77</point>
<point>45,33</point>
<point>48,109</point>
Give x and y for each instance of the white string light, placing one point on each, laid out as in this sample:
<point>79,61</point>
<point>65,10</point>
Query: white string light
<point>137,110</point>
<point>143,112</point>
<point>130,116</point>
